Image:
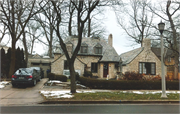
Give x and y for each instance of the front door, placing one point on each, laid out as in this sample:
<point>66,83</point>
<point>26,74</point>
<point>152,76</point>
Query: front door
<point>105,70</point>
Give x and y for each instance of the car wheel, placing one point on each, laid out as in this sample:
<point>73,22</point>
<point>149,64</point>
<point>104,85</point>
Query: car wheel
<point>34,82</point>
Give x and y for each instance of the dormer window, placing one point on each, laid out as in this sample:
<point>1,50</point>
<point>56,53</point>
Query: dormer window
<point>98,49</point>
<point>84,48</point>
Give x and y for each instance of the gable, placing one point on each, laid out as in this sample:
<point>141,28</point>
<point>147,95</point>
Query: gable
<point>130,56</point>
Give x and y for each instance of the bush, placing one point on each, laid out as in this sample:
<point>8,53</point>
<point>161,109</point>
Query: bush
<point>62,78</point>
<point>133,76</point>
<point>77,76</point>
<point>87,74</point>
<point>51,76</point>
<point>127,84</point>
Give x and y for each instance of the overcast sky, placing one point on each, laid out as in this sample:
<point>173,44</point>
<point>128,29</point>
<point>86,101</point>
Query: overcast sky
<point>121,42</point>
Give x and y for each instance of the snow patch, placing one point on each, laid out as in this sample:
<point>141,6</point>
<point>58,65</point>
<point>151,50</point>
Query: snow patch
<point>54,81</point>
<point>3,84</point>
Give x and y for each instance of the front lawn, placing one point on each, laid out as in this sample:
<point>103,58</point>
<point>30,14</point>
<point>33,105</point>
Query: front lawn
<point>121,95</point>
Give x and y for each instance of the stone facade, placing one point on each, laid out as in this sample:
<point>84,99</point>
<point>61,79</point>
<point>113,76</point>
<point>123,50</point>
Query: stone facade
<point>85,58</point>
<point>83,63</point>
<point>144,56</point>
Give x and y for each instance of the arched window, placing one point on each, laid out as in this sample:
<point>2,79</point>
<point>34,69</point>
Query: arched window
<point>84,48</point>
<point>98,49</point>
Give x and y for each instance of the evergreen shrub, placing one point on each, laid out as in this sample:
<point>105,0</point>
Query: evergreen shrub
<point>127,84</point>
<point>51,76</point>
<point>87,74</point>
<point>62,78</point>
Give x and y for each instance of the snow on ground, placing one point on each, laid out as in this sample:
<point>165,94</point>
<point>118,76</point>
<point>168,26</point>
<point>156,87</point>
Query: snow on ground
<point>54,81</point>
<point>61,93</point>
<point>67,94</point>
<point>3,84</point>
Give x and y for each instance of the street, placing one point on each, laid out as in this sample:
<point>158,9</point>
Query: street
<point>21,95</point>
<point>94,108</point>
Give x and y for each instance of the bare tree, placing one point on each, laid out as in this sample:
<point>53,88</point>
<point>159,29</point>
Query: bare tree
<point>170,14</point>
<point>12,11</point>
<point>47,24</point>
<point>83,13</point>
<point>139,19</point>
<point>34,33</point>
<point>3,32</point>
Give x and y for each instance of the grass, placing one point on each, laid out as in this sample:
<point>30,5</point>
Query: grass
<point>122,96</point>
<point>118,96</point>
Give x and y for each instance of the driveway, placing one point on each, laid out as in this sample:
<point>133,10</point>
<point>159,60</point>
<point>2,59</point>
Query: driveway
<point>22,95</point>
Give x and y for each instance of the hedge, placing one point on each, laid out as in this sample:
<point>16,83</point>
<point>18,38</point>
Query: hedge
<point>127,84</point>
<point>52,76</point>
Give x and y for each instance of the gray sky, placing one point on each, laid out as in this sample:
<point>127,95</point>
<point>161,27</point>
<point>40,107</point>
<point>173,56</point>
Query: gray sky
<point>121,42</point>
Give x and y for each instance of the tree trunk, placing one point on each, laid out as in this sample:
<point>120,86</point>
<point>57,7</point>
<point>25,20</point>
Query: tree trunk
<point>25,48</point>
<point>32,46</point>
<point>89,26</point>
<point>69,27</point>
<point>13,58</point>
<point>174,32</point>
<point>13,35</point>
<point>50,50</point>
<point>176,66</point>
<point>73,78</point>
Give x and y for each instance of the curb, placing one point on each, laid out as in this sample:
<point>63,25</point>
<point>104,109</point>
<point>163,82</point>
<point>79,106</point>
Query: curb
<point>106,102</point>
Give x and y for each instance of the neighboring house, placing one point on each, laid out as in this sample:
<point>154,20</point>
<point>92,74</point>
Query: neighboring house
<point>169,61</point>
<point>95,55</point>
<point>147,60</point>
<point>40,61</point>
<point>142,60</point>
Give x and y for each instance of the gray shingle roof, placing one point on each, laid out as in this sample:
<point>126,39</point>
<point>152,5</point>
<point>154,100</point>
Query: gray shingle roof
<point>109,54</point>
<point>157,52</point>
<point>127,57</point>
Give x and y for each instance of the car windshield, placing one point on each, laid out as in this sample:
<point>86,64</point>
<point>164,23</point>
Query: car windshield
<point>24,71</point>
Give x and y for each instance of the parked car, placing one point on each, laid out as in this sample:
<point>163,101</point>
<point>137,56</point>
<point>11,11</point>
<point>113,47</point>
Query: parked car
<point>40,71</point>
<point>25,76</point>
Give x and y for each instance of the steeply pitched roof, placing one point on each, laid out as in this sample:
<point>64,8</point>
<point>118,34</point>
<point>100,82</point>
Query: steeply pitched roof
<point>127,57</point>
<point>157,52</point>
<point>109,54</point>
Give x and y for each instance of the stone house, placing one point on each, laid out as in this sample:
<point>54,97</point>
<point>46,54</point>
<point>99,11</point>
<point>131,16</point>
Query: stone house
<point>169,61</point>
<point>144,60</point>
<point>95,55</point>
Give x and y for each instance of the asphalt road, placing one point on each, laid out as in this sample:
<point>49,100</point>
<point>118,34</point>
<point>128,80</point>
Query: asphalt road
<point>95,108</point>
<point>21,95</point>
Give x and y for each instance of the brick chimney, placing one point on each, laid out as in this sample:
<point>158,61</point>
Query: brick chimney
<point>146,43</point>
<point>110,40</point>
